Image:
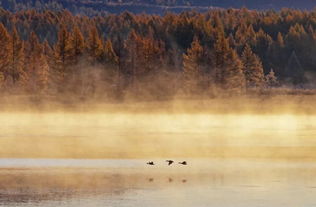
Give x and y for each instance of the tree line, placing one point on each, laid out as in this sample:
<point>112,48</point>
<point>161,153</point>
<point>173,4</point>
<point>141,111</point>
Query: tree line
<point>220,51</point>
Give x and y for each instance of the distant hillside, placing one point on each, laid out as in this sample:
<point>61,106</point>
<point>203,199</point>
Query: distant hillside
<point>91,7</point>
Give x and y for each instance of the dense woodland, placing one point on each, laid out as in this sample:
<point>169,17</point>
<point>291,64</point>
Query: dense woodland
<point>156,57</point>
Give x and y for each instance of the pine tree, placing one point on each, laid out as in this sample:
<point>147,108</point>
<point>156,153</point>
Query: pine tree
<point>1,80</point>
<point>228,66</point>
<point>280,40</point>
<point>221,48</point>
<point>49,53</point>
<point>294,70</point>
<point>110,57</point>
<point>240,36</point>
<point>4,52</point>
<point>221,52</point>
<point>231,41</point>
<point>63,55</point>
<point>95,46</point>
<point>296,33</point>
<point>42,73</point>
<point>271,80</point>
<point>111,62</point>
<point>245,34</point>
<point>77,45</point>
<point>234,79</point>
<point>153,51</point>
<point>37,65</point>
<point>17,57</point>
<point>193,67</point>
<point>253,69</point>
<point>262,47</point>
<point>132,48</point>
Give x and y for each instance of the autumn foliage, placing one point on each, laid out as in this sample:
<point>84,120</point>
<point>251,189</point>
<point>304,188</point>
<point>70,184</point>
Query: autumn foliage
<point>115,56</point>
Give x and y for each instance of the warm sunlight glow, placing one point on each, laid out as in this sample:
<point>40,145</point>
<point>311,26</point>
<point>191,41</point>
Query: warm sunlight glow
<point>121,135</point>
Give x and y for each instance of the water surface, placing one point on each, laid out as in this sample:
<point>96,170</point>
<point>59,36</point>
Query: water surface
<point>241,160</point>
<point>119,183</point>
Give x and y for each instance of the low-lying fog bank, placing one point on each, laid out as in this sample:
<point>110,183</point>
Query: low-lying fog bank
<point>178,132</point>
<point>289,102</point>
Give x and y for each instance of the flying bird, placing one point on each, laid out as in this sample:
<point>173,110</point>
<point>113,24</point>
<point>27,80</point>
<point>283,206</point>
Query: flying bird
<point>183,163</point>
<point>150,163</point>
<point>169,162</point>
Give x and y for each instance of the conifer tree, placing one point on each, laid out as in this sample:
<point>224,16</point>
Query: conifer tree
<point>253,69</point>
<point>152,51</point>
<point>262,45</point>
<point>193,67</point>
<point>110,57</point>
<point>17,57</point>
<point>240,36</point>
<point>245,34</point>
<point>77,45</point>
<point>95,46</point>
<point>228,66</point>
<point>63,54</point>
<point>5,54</point>
<point>231,41</point>
<point>111,63</point>
<point>234,79</point>
<point>221,48</point>
<point>280,40</point>
<point>294,70</point>
<point>271,80</point>
<point>49,53</point>
<point>37,65</point>
<point>296,33</point>
<point>132,47</point>
<point>43,73</point>
<point>221,52</point>
<point>1,80</point>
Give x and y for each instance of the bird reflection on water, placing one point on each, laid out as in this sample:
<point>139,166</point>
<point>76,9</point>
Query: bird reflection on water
<point>204,183</point>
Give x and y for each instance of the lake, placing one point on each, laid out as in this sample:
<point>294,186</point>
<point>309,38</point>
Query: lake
<point>119,183</point>
<point>99,159</point>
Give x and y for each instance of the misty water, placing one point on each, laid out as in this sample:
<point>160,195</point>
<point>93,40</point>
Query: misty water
<point>203,182</point>
<point>233,160</point>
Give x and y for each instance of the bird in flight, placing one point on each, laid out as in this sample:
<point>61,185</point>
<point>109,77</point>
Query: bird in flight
<point>183,163</point>
<point>150,163</point>
<point>169,162</point>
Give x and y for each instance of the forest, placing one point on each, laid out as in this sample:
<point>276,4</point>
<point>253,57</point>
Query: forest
<point>117,56</point>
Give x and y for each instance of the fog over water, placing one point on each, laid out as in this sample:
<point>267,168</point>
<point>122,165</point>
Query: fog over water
<point>95,158</point>
<point>151,135</point>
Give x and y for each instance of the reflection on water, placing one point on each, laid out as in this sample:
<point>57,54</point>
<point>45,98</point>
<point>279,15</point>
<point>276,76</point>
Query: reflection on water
<point>229,183</point>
